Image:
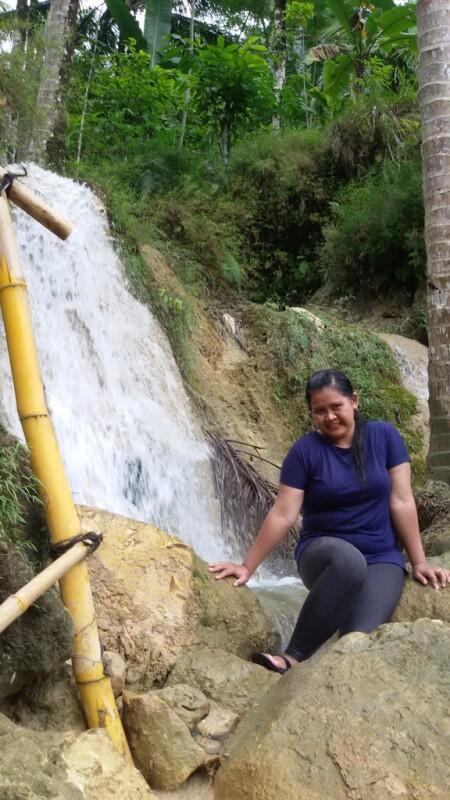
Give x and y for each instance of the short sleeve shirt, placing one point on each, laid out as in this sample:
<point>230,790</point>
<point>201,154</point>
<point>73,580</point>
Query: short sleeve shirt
<point>335,502</point>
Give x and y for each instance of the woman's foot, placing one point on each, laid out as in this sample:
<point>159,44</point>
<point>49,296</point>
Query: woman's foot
<point>280,664</point>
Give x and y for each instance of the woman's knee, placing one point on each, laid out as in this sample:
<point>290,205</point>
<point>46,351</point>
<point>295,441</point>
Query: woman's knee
<point>344,561</point>
<point>350,565</point>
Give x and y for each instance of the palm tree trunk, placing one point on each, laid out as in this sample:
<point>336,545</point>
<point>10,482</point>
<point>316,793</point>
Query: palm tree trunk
<point>433,21</point>
<point>59,28</point>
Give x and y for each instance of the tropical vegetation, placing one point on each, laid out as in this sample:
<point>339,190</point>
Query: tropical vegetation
<point>272,150</point>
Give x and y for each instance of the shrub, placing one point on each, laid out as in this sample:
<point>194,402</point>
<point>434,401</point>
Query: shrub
<point>281,183</point>
<point>128,104</point>
<point>376,239</point>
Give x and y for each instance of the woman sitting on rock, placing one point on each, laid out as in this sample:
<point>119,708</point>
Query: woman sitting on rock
<point>352,480</point>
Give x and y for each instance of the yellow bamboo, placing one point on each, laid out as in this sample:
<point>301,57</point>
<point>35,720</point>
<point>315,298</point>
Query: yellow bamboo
<point>28,201</point>
<point>95,689</point>
<point>16,604</point>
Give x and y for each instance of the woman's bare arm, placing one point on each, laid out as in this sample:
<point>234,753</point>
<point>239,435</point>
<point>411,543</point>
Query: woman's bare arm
<point>404,517</point>
<point>280,518</point>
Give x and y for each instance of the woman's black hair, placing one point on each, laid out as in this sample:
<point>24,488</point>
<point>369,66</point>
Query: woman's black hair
<point>332,377</point>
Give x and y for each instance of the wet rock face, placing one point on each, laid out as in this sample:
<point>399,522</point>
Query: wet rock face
<point>366,720</point>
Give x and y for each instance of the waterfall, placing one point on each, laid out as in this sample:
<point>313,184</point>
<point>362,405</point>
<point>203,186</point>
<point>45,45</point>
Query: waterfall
<point>129,438</point>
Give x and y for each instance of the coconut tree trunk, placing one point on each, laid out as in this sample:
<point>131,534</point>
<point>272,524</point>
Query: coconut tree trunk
<point>58,35</point>
<point>433,21</point>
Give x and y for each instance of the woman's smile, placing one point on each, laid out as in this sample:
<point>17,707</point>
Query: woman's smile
<point>334,414</point>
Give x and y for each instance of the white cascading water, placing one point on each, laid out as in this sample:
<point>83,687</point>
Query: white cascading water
<point>129,439</point>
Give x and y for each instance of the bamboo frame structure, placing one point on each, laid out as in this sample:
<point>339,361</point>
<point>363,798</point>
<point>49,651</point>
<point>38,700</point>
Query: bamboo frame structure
<point>62,520</point>
<point>16,604</point>
<point>36,208</point>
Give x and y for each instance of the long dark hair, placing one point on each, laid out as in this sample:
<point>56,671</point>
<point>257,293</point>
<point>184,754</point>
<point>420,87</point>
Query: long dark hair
<point>332,377</point>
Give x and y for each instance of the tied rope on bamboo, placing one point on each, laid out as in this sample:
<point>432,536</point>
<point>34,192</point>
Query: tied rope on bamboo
<point>91,539</point>
<point>8,180</point>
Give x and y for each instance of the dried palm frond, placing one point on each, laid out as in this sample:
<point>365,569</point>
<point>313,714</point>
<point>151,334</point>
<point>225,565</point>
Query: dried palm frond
<point>245,496</point>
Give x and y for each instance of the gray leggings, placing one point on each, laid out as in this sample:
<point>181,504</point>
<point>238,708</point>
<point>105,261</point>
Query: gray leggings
<point>345,594</point>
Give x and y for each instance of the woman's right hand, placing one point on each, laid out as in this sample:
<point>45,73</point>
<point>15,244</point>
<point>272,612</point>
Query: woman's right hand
<point>226,569</point>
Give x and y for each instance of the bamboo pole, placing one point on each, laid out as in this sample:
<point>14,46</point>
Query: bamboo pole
<point>33,205</point>
<point>16,605</point>
<point>95,689</point>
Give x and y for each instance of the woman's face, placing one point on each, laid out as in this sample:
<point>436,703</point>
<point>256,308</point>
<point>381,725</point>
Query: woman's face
<point>334,414</point>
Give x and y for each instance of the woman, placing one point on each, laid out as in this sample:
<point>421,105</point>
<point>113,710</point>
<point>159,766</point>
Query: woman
<point>352,480</point>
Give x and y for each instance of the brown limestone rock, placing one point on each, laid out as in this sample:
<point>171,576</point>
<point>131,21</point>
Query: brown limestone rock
<point>37,765</point>
<point>436,538</point>
<point>419,601</point>
<point>365,720</point>
<point>100,771</point>
<point>49,704</point>
<point>116,669</point>
<point>234,683</point>
<point>219,722</point>
<point>161,743</point>
<point>154,598</point>
<point>189,703</point>
<point>230,619</point>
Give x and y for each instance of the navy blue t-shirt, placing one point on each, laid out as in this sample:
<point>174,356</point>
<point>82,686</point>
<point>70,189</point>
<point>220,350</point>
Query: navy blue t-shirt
<point>335,503</point>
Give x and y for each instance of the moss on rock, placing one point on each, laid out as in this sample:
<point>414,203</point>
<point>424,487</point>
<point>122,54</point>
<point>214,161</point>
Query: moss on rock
<point>294,349</point>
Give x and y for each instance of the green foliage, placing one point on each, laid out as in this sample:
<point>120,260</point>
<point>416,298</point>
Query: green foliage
<point>19,82</point>
<point>360,34</point>
<point>232,271</point>
<point>298,14</point>
<point>375,241</point>
<point>19,500</point>
<point>179,319</point>
<point>232,89</point>
<point>157,25</point>
<point>128,25</point>
<point>128,104</point>
<point>282,182</point>
<point>295,350</point>
<point>381,123</point>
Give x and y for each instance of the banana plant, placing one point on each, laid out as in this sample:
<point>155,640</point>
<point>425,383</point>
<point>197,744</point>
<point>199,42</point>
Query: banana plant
<point>127,24</point>
<point>157,24</point>
<point>358,34</point>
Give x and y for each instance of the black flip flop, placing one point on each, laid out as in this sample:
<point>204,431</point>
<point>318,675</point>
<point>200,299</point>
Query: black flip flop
<point>265,661</point>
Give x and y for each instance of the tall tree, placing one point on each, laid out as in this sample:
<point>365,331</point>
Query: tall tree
<point>433,23</point>
<point>59,33</point>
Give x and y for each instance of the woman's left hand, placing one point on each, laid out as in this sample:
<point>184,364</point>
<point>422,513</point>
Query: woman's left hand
<point>425,573</point>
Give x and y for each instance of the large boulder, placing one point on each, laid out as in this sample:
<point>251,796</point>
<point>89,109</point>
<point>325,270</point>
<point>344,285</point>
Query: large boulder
<point>419,601</point>
<point>160,741</point>
<point>154,598</point>
<point>34,766</point>
<point>236,684</point>
<point>365,720</point>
